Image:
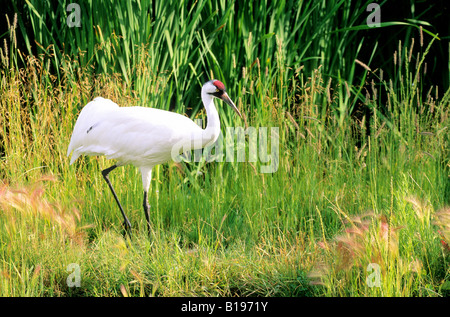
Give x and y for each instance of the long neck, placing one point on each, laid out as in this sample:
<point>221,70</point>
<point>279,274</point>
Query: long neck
<point>212,131</point>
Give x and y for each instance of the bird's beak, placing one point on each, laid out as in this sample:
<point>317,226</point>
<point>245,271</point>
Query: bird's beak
<point>227,99</point>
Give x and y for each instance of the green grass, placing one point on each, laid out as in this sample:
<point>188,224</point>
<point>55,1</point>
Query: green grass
<point>363,172</point>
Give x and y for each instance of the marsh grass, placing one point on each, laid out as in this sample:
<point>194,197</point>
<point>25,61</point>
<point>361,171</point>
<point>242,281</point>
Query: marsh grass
<point>362,177</point>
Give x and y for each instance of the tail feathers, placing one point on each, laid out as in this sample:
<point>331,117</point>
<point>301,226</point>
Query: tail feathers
<point>74,157</point>
<point>69,149</point>
<point>88,118</point>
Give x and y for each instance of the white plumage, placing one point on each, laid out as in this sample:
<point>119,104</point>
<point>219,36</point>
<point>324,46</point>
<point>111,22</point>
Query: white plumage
<point>143,137</point>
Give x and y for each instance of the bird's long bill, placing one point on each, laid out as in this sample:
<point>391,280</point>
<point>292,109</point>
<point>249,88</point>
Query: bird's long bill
<point>230,103</point>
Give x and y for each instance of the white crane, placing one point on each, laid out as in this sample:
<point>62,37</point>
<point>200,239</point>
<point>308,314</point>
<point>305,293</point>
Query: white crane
<point>143,137</point>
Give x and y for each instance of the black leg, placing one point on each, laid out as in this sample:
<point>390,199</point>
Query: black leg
<point>126,223</point>
<point>147,211</point>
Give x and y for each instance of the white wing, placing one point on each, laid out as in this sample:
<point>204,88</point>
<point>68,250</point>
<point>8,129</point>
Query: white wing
<point>133,135</point>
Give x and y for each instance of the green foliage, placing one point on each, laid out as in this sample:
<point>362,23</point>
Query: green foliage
<point>185,43</point>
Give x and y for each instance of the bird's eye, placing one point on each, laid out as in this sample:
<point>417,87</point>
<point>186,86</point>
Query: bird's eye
<point>217,89</point>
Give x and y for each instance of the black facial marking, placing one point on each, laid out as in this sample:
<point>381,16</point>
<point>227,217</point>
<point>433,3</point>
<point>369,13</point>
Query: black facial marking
<point>218,93</point>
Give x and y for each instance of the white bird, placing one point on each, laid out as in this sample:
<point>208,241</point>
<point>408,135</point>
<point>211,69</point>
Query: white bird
<point>143,137</point>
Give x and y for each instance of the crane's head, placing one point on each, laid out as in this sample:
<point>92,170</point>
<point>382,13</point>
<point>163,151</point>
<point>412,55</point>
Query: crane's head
<point>217,89</point>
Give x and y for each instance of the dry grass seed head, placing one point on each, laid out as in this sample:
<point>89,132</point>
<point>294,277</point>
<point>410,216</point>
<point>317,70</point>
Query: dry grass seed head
<point>28,203</point>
